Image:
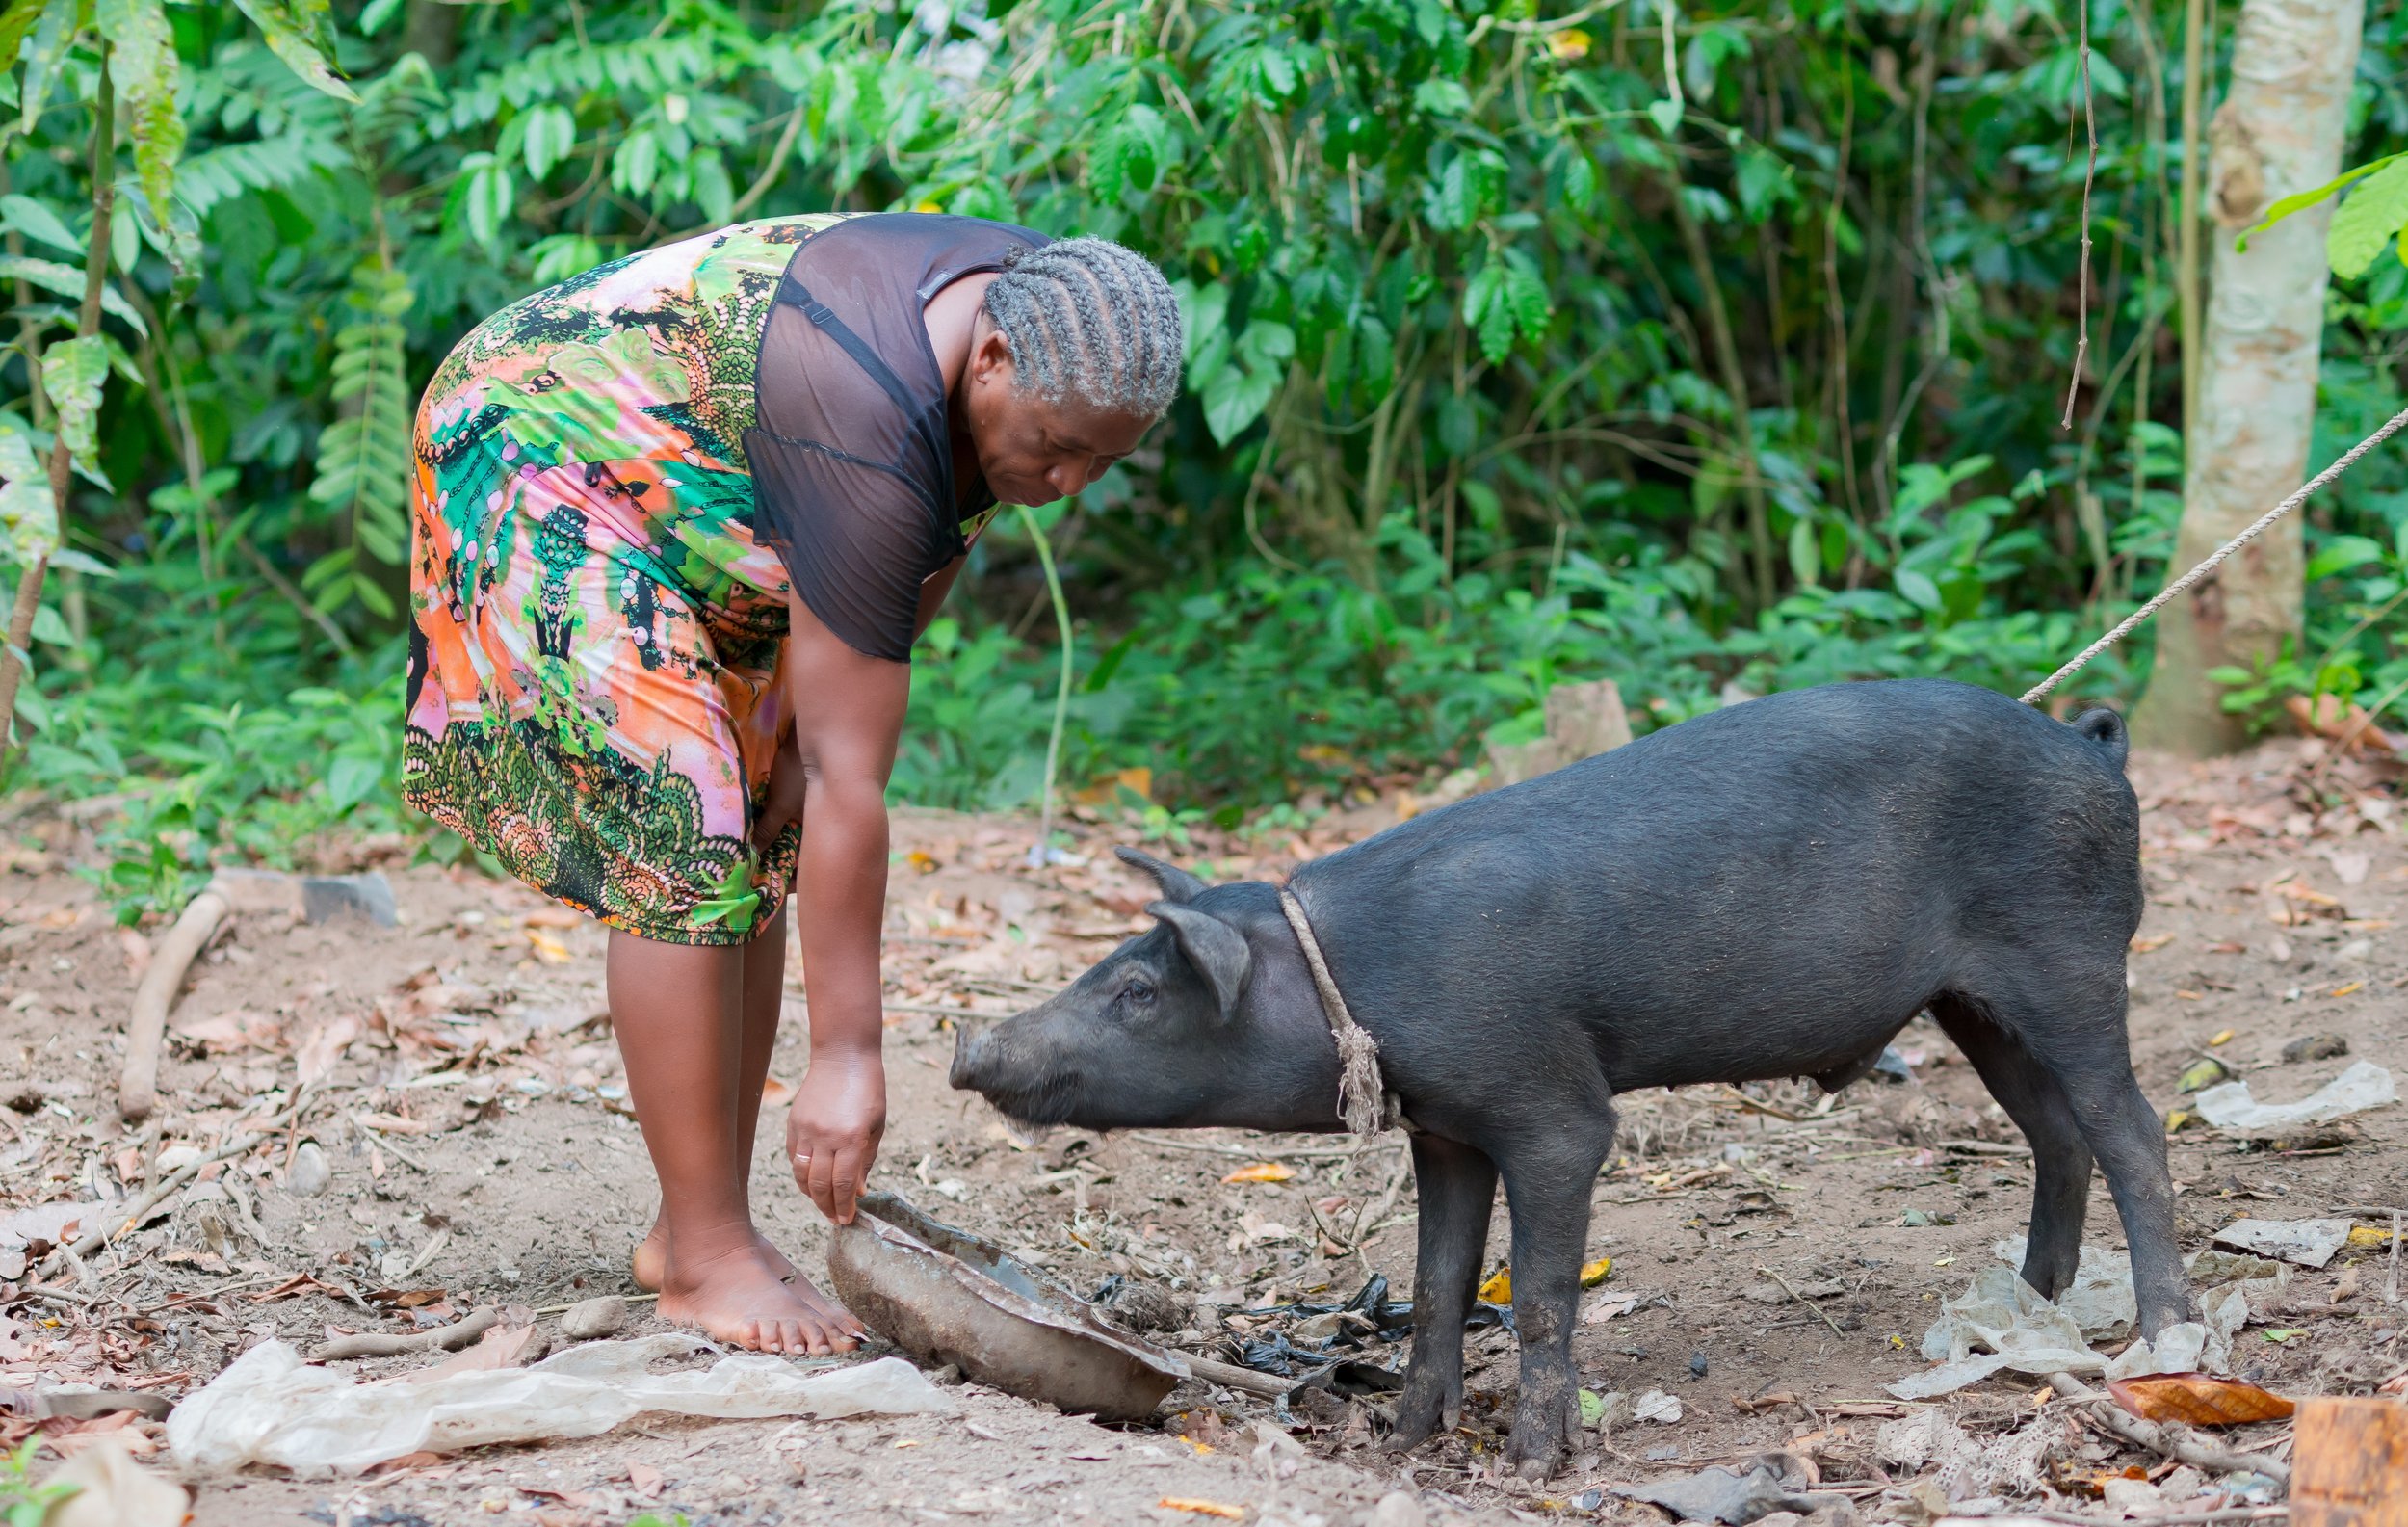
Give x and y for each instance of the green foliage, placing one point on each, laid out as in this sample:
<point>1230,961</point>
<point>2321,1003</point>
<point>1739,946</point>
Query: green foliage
<point>23,1502</point>
<point>1456,424</point>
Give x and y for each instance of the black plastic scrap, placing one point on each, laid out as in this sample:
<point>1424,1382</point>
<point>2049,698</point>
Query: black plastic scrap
<point>1320,1365</point>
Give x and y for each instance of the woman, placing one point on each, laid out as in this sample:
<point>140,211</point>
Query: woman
<point>677,524</point>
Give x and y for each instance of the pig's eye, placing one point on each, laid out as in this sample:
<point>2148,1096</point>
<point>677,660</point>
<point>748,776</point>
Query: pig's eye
<point>1138,992</point>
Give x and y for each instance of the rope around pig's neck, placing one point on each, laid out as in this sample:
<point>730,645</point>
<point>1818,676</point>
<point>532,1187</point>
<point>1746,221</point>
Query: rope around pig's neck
<point>2349,459</point>
<point>1363,1099</point>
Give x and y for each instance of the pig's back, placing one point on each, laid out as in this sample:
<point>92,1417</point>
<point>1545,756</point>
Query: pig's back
<point>1803,862</point>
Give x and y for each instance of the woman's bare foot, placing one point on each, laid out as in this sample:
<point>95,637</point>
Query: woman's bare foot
<point>738,1296</point>
<point>651,1257</point>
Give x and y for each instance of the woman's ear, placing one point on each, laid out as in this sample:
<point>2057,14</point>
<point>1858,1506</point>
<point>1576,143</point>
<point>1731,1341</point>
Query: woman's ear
<point>990,353</point>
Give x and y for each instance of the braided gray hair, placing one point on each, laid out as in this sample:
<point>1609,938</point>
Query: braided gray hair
<point>1090,319</point>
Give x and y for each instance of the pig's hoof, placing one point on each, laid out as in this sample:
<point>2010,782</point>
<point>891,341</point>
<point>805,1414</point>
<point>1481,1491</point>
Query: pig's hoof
<point>1417,1421</point>
<point>1536,1469</point>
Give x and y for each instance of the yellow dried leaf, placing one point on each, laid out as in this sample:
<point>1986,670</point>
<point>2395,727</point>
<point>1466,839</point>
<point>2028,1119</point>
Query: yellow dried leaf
<point>548,949</point>
<point>2222,1036</point>
<point>1569,44</point>
<point>1595,1273</point>
<point>2142,945</point>
<point>2369,1235</point>
<point>1499,1288</point>
<point>2197,1399</point>
<point>1203,1508</point>
<point>1261,1171</point>
<point>2342,991</point>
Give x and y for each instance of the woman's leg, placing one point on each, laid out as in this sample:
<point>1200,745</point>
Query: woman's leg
<point>764,978</point>
<point>679,1012</point>
<point>764,971</point>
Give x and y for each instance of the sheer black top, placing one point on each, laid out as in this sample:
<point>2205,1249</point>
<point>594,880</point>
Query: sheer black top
<point>852,456</point>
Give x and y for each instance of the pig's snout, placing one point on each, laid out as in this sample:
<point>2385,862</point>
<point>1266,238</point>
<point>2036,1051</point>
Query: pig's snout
<point>970,1047</point>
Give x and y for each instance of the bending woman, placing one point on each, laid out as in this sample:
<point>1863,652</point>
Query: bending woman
<point>677,522</point>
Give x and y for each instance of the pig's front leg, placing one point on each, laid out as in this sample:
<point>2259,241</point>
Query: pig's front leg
<point>1457,1186</point>
<point>1546,1191</point>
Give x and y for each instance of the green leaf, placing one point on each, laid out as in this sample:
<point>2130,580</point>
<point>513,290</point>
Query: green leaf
<point>1525,291</point>
<point>73,372</point>
<point>551,133</point>
<point>1665,113</point>
<point>14,23</point>
<point>491,198</point>
<point>1236,398</point>
<point>1580,181</point>
<point>2343,553</point>
<point>68,282</point>
<point>142,61</point>
<point>1917,588</point>
<point>1805,553</point>
<point>1442,98</point>
<point>53,36</point>
<point>35,221</point>
<point>29,519</point>
<point>1277,73</point>
<point>2367,220</point>
<point>48,627</point>
<point>351,780</point>
<point>2303,200</point>
<point>1488,310</point>
<point>297,32</point>
<point>1267,345</point>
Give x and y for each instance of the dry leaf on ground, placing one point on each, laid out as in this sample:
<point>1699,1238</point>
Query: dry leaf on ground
<point>1261,1171</point>
<point>2195,1399</point>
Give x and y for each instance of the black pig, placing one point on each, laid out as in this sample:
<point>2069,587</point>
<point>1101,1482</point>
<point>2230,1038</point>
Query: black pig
<point>1771,890</point>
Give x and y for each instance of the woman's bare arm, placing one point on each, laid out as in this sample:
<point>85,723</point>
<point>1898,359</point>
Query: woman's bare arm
<point>849,714</point>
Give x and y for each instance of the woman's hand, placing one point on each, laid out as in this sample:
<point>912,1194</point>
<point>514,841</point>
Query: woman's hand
<point>782,803</point>
<point>833,1131</point>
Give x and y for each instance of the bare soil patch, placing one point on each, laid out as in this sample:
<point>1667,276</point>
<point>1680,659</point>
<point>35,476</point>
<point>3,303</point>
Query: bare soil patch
<point>464,1088</point>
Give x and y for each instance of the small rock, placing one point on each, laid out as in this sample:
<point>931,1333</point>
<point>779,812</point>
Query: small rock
<point>175,1158</point>
<point>947,1377</point>
<point>594,1317</point>
<point>1397,1508</point>
<point>2316,1047</point>
<point>1697,1363</point>
<point>2355,949</point>
<point>310,1172</point>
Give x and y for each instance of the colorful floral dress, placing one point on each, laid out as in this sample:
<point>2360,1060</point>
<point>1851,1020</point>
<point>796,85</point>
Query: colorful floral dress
<point>595,696</point>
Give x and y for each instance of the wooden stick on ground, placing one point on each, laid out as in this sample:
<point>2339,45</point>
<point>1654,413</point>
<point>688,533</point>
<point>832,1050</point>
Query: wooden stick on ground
<point>1803,1300</point>
<point>138,1086</point>
<point>378,1344</point>
<point>1229,1376</point>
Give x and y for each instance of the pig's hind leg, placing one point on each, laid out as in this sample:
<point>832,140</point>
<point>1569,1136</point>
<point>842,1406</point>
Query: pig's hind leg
<point>2060,1188</point>
<point>2074,1027</point>
<point>1456,1187</point>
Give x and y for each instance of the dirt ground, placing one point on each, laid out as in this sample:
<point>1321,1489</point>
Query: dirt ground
<point>463,1086</point>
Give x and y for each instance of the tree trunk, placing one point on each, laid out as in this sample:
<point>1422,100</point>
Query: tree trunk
<point>2279,131</point>
<point>28,602</point>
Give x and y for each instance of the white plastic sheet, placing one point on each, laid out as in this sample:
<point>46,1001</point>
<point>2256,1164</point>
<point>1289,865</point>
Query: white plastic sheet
<point>2000,1322</point>
<point>2311,1242</point>
<point>271,1408</point>
<point>2231,1108</point>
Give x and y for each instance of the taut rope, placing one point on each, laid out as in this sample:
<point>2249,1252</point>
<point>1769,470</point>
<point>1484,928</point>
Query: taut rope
<point>2349,459</point>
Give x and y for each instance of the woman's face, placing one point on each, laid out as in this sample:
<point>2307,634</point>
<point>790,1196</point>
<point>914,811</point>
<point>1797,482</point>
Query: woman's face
<point>1031,451</point>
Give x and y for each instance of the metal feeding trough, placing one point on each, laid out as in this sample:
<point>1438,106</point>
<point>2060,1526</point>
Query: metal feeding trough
<point>949,1297</point>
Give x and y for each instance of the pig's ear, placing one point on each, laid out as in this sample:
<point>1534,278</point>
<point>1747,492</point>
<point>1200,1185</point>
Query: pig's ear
<point>1177,884</point>
<point>1216,950</point>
